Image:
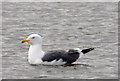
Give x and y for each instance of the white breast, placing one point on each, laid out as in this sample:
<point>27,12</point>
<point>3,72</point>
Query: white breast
<point>35,54</point>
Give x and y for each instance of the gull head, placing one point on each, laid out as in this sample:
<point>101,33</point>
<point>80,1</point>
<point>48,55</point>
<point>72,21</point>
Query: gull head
<point>33,39</point>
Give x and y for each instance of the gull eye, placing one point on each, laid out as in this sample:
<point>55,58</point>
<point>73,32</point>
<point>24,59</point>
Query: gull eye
<point>33,37</point>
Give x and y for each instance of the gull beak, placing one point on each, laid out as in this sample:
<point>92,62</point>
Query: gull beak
<point>23,41</point>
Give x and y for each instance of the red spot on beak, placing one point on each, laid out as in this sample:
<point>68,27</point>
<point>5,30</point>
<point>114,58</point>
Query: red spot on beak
<point>23,41</point>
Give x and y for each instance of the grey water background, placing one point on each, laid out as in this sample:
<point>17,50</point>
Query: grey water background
<point>63,26</point>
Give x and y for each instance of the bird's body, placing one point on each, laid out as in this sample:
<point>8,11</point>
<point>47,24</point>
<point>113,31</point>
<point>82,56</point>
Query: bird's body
<point>56,57</point>
<point>60,56</point>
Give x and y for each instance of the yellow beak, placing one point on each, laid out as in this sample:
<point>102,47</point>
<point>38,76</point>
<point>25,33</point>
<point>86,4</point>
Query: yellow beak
<point>23,41</point>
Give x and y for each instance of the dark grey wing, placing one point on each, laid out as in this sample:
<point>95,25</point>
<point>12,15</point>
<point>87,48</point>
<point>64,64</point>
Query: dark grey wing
<point>54,55</point>
<point>72,56</point>
<point>69,57</point>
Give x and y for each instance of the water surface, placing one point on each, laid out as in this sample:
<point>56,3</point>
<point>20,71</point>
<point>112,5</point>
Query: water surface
<point>62,26</point>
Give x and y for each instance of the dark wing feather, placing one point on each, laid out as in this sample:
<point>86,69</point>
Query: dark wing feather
<point>72,56</point>
<point>53,55</point>
<point>69,57</point>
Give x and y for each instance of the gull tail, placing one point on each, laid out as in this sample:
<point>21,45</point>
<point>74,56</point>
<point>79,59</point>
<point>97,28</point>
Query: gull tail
<point>84,51</point>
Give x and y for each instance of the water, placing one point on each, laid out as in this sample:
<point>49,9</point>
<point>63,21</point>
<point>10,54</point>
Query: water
<point>62,26</point>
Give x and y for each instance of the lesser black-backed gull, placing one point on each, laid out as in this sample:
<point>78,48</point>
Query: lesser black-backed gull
<point>56,57</point>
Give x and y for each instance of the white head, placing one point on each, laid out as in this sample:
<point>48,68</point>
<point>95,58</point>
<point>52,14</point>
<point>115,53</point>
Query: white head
<point>33,39</point>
